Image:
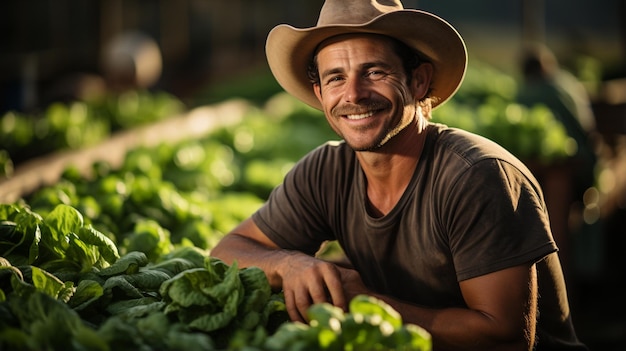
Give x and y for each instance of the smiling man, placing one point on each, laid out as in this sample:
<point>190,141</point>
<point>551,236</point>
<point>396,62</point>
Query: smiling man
<point>447,227</point>
<point>363,89</point>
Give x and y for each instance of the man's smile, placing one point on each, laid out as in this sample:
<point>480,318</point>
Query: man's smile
<point>360,115</point>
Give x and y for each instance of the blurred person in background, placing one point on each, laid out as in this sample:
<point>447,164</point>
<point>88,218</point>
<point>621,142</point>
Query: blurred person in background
<point>545,82</point>
<point>131,60</point>
<point>447,227</point>
<point>128,61</point>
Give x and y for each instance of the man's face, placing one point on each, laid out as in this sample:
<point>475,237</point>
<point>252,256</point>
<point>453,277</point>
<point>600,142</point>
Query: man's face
<point>364,90</point>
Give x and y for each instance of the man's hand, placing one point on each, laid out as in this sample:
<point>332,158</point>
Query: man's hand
<point>308,280</point>
<point>305,280</point>
<point>352,283</point>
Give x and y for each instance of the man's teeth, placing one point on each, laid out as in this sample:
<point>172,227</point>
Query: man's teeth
<point>360,116</point>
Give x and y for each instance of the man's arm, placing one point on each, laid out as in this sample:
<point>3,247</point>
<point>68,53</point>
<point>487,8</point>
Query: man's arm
<point>304,279</point>
<point>500,313</point>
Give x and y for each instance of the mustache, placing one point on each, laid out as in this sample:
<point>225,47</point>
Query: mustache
<point>355,109</point>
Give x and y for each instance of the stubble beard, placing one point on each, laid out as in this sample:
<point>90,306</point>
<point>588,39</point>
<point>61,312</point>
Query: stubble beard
<point>387,135</point>
<point>372,105</point>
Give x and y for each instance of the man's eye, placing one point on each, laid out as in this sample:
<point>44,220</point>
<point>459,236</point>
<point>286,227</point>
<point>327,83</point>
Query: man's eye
<point>375,74</point>
<point>334,79</point>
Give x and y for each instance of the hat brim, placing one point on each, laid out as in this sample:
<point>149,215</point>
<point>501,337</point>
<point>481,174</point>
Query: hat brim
<point>289,49</point>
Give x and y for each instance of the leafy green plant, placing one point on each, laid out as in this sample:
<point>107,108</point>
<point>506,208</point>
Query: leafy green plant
<point>370,324</point>
<point>78,124</point>
<point>77,293</point>
<point>153,299</point>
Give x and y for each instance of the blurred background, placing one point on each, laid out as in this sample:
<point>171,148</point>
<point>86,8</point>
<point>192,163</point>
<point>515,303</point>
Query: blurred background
<point>201,52</point>
<point>47,43</point>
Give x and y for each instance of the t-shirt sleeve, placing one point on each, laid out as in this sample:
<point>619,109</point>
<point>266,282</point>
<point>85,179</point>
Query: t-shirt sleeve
<point>294,216</point>
<point>496,218</point>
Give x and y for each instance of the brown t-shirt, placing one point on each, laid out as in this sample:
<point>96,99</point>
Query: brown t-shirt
<point>471,208</point>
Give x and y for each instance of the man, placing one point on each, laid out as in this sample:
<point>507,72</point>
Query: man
<point>445,226</point>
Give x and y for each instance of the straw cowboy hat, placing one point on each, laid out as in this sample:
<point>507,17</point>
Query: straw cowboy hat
<point>290,49</point>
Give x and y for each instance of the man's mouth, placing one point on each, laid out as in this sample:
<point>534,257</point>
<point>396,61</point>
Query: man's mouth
<point>360,115</point>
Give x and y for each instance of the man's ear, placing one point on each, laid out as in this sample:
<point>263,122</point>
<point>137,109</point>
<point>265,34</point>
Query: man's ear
<point>420,84</point>
<point>318,91</point>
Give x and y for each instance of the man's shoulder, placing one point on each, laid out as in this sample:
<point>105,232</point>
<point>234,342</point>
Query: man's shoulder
<point>454,148</point>
<point>467,146</point>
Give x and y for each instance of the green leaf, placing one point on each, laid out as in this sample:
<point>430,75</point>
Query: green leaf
<point>275,312</point>
<point>148,279</point>
<point>10,237</point>
<point>14,339</point>
<point>185,288</point>
<point>27,221</point>
<point>64,269</point>
<point>20,286</point>
<point>323,313</point>
<point>217,266</point>
<point>20,230</point>
<point>207,298</point>
<point>50,324</point>
<point>190,253</point>
<point>66,292</point>
<point>181,340</point>
<point>410,337</point>
<point>135,308</point>
<point>33,252</point>
<point>249,320</point>
<point>370,306</point>
<point>214,321</point>
<point>5,266</point>
<point>173,266</point>
<point>81,252</point>
<point>221,291</point>
<point>120,287</point>
<point>329,340</point>
<point>121,335</point>
<point>88,339</point>
<point>293,336</point>
<point>256,287</point>
<point>154,327</point>
<point>87,292</point>
<point>107,247</point>
<point>8,211</point>
<point>420,339</point>
<point>64,219</point>
<point>129,264</point>
<point>358,333</point>
<point>60,222</point>
<point>46,282</point>
<point>149,237</point>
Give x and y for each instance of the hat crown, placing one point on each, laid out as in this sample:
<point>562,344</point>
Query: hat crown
<point>355,11</point>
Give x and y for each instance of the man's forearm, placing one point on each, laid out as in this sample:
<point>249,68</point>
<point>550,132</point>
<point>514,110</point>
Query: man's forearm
<point>247,252</point>
<point>455,328</point>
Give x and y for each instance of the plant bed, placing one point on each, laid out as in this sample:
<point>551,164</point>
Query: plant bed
<point>46,170</point>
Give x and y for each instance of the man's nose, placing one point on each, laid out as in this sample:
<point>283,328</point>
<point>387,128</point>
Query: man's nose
<point>356,90</point>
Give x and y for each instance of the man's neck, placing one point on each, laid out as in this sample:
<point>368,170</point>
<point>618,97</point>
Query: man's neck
<point>388,171</point>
